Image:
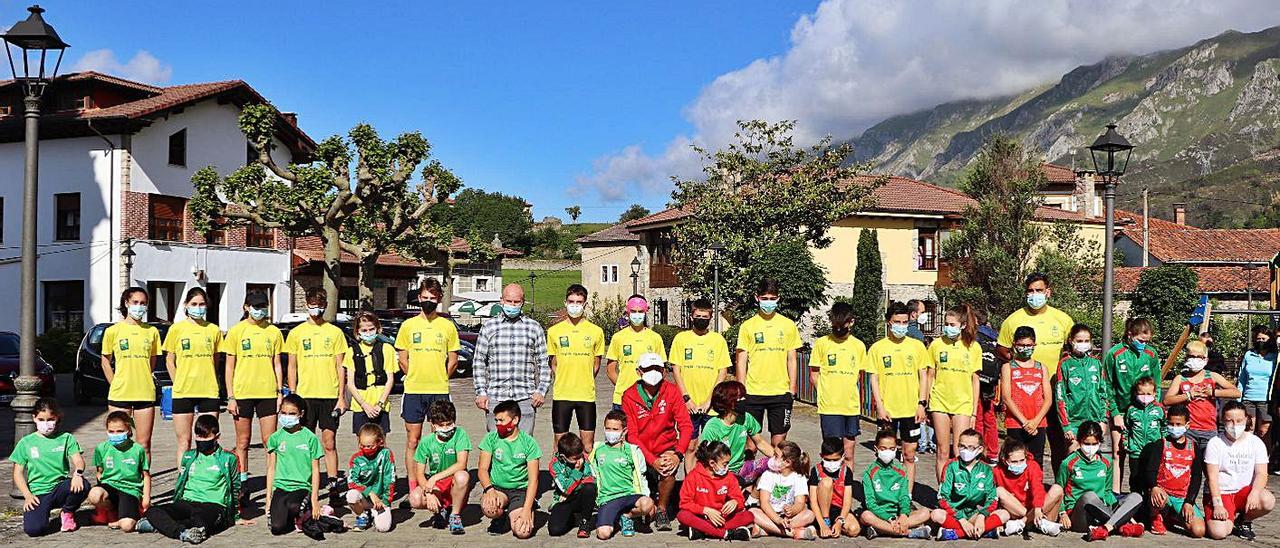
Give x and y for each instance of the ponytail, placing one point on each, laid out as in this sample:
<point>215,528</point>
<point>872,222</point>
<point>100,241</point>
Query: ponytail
<point>790,450</point>
<point>964,313</point>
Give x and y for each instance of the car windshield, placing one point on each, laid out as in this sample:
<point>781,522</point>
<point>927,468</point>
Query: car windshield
<point>8,344</point>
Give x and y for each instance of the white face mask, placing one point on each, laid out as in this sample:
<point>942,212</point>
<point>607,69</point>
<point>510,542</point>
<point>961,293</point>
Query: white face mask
<point>1195,365</point>
<point>1234,431</point>
<point>1082,348</point>
<point>968,455</point>
<point>651,378</point>
<point>46,427</point>
<point>1146,399</point>
<point>315,310</point>
<point>1089,450</point>
<point>637,318</point>
<point>137,311</point>
<point>775,465</point>
<point>612,437</point>
<point>886,455</point>
<point>574,310</point>
<point>831,466</point>
<point>923,318</point>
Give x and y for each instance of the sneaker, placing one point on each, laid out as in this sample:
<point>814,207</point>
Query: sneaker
<point>440,521</point>
<point>69,522</point>
<point>455,524</point>
<point>363,522</point>
<point>1014,527</point>
<point>740,533</point>
<point>144,526</point>
<point>947,534</point>
<point>1051,528</point>
<point>194,535</point>
<point>695,534</point>
<point>1132,530</point>
<point>1098,533</point>
<point>994,533</point>
<point>627,526</point>
<point>870,533</point>
<point>921,532</point>
<point>808,533</point>
<point>1157,525</point>
<point>661,522</point>
<point>1244,531</point>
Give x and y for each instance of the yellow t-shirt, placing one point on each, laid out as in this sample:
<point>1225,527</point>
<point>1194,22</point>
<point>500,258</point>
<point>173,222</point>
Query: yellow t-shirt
<point>626,347</point>
<point>193,347</point>
<point>428,343</point>
<point>317,350</point>
<point>576,349</point>
<point>254,348</point>
<point>700,359</point>
<point>767,343</point>
<point>133,348</point>
<point>838,365</point>
<point>373,392</point>
<point>954,365</point>
<point>897,366</point>
<point>1052,327</point>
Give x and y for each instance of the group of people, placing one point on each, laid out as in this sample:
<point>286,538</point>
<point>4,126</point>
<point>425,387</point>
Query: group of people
<point>695,409</point>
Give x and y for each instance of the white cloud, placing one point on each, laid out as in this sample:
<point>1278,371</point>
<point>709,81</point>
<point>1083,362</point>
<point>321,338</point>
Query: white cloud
<point>143,67</point>
<point>853,63</point>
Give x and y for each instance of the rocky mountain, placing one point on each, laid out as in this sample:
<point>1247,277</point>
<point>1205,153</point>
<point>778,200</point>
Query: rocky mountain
<point>1205,120</point>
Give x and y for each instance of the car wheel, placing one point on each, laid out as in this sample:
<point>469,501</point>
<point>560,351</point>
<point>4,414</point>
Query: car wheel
<point>79,391</point>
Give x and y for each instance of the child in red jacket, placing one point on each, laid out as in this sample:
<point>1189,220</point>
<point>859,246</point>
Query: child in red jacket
<point>1020,488</point>
<point>658,423</point>
<point>711,504</point>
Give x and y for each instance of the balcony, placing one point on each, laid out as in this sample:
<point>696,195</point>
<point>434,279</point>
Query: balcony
<point>663,276</point>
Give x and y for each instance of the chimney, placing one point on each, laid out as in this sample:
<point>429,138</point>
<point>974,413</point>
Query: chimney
<point>291,117</point>
<point>1180,213</point>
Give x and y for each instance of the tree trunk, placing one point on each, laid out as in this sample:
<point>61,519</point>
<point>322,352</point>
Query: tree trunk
<point>332,280</point>
<point>446,278</point>
<point>365,280</point>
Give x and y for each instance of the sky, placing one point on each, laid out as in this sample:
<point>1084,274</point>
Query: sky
<point>597,104</point>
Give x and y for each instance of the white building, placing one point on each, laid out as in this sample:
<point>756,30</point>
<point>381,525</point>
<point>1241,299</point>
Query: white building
<point>116,160</point>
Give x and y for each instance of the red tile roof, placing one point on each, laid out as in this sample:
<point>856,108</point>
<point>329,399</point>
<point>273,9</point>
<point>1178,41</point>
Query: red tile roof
<point>1058,174</point>
<point>1212,279</point>
<point>662,217</point>
<point>1133,221</point>
<point>309,249</point>
<point>1186,244</point>
<point>616,233</point>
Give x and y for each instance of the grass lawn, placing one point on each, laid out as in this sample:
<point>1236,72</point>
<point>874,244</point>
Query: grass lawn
<point>551,285</point>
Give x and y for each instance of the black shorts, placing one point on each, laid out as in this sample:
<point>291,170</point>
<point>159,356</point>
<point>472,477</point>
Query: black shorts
<point>132,405</point>
<point>1258,410</point>
<point>359,419</point>
<point>262,407</point>
<point>125,505</point>
<point>320,413</point>
<point>777,408</point>
<point>607,514</point>
<point>562,413</point>
<point>907,428</point>
<point>183,406</point>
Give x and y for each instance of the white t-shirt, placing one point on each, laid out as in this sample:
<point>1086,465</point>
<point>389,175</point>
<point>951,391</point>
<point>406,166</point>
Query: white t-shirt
<point>1236,461</point>
<point>782,490</point>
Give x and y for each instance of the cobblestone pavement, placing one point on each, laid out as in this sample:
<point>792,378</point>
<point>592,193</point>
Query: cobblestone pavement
<point>86,422</point>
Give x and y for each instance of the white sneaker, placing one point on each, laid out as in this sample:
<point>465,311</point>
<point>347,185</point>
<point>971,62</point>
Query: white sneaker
<point>1051,528</point>
<point>1014,527</point>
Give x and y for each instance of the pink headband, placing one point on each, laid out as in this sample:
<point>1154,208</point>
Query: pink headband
<point>637,303</point>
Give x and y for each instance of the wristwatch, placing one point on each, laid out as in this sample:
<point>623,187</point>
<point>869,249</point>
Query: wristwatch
<point>923,403</point>
<point>686,398</point>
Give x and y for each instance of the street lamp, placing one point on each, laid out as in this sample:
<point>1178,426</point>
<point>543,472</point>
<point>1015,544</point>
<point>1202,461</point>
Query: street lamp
<point>34,40</point>
<point>1110,154</point>
<point>127,256</point>
<point>716,249</point>
<point>635,275</point>
<point>1246,276</point>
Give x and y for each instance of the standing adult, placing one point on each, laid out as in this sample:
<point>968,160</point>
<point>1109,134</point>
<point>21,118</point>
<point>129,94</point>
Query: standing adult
<point>190,349</point>
<point>766,362</point>
<point>627,345</point>
<point>316,350</point>
<point>1257,380</point>
<point>575,346</point>
<point>255,380</point>
<point>1051,327</point>
<point>511,361</point>
<point>427,347</point>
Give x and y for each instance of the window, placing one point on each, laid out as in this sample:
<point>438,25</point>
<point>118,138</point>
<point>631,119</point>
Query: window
<point>482,284</point>
<point>178,148</point>
<point>609,274</point>
<point>64,306</point>
<point>163,304</point>
<point>68,216</point>
<point>214,303</point>
<point>926,249</point>
<point>257,236</point>
<point>660,311</point>
<point>166,218</point>
<point>349,299</point>
<point>216,236</point>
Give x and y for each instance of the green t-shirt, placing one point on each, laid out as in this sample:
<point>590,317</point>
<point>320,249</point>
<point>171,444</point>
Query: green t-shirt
<point>294,453</point>
<point>206,481</point>
<point>617,469</point>
<point>121,468</point>
<point>509,468</point>
<point>47,460</point>
<point>734,435</point>
<point>438,455</point>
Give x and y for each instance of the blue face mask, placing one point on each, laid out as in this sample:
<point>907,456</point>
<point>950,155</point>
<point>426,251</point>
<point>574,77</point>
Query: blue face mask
<point>899,330</point>
<point>511,310</point>
<point>1037,300</point>
<point>289,421</point>
<point>117,438</point>
<point>768,305</point>
<point>197,312</point>
<point>1017,468</point>
<point>1176,432</point>
<point>137,311</point>
<point>258,314</point>
<point>368,338</point>
<point>951,331</point>
<point>1139,345</point>
<point>636,318</point>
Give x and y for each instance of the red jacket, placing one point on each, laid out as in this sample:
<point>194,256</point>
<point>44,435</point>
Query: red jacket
<point>1027,487</point>
<point>703,489</point>
<point>663,427</point>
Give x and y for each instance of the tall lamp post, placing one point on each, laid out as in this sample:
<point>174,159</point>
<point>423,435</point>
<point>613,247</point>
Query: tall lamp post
<point>34,40</point>
<point>635,275</point>
<point>716,249</point>
<point>1110,154</point>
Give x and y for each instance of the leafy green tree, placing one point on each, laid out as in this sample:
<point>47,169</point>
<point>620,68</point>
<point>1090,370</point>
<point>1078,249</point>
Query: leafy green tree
<point>487,214</point>
<point>868,288</point>
<point>760,198</point>
<point>1165,294</point>
<point>636,211</point>
<point>574,212</point>
<point>1074,265</point>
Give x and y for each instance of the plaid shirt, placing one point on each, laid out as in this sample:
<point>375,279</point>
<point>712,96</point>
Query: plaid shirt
<point>511,360</point>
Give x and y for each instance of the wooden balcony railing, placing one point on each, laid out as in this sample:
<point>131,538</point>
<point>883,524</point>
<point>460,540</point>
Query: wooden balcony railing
<point>663,275</point>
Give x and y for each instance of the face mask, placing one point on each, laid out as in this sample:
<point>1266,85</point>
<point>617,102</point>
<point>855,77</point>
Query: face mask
<point>574,310</point>
<point>197,312</point>
<point>1037,300</point>
<point>701,324</point>
<point>315,311</point>
<point>768,305</point>
<point>886,456</point>
<point>258,314</point>
<point>840,331</point>
<point>511,310</point>
<point>289,421</point>
<point>1024,352</point>
<point>1138,345</point>
<point>1089,450</point>
<point>831,466</point>
<point>899,330</point>
<point>370,452</point>
<point>1146,399</point>
<point>117,438</point>
<point>207,447</point>
<point>923,318</point>
<point>1261,346</point>
<point>612,437</point>
<point>951,331</point>
<point>505,430</point>
<point>1176,432</point>
<point>1234,431</point>
<point>651,378</point>
<point>1016,468</point>
<point>428,306</point>
<point>968,455</point>
<point>137,311</point>
<point>445,433</point>
<point>1082,348</point>
<point>46,427</point>
<point>720,472</point>
<point>775,465</point>
<point>368,337</point>
<point>637,318</point>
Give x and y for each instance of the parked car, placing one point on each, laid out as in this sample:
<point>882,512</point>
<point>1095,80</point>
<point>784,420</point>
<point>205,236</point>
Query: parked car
<point>392,319</point>
<point>89,381</point>
<point>9,349</point>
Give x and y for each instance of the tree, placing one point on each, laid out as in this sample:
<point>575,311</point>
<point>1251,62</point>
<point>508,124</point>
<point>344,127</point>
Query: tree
<point>574,212</point>
<point>487,214</point>
<point>761,197</point>
<point>1074,266</point>
<point>868,287</point>
<point>310,199</point>
<point>636,211</point>
<point>1165,295</point>
<point>990,255</point>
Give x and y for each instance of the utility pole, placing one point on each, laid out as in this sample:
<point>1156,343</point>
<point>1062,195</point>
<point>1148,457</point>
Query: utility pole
<point>1146,229</point>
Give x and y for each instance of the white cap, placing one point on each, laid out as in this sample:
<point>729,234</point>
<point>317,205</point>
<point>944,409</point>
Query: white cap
<point>650,359</point>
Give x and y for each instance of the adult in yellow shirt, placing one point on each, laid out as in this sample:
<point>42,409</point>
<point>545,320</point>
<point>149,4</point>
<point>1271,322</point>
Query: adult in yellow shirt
<point>316,349</point>
<point>955,360</point>
<point>371,370</point>
<point>1051,326</point>
<point>427,350</point>
<point>899,367</point>
<point>190,348</point>
<point>700,360</point>
<point>835,367</point>
<point>129,348</point>
<point>574,348</point>
<point>255,380</point>
<point>766,362</point>
<point>626,347</point>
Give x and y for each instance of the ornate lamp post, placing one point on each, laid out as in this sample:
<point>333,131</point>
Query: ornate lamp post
<point>716,249</point>
<point>635,275</point>
<point>34,40</point>
<point>1110,154</point>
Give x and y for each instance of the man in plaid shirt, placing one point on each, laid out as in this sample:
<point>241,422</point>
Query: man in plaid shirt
<point>511,361</point>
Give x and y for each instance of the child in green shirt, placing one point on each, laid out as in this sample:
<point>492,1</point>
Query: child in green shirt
<point>733,429</point>
<point>508,471</point>
<point>1084,484</point>
<point>371,475</point>
<point>574,488</point>
<point>207,494</point>
<point>293,468</point>
<point>622,492</point>
<point>886,495</point>
<point>967,502</point>
<point>124,476</point>
<point>49,471</point>
<point>441,470</point>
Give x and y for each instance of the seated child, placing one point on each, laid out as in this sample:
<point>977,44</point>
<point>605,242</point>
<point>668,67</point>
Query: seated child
<point>48,470</point>
<point>967,503</point>
<point>507,456</point>
<point>783,495</point>
<point>1084,483</point>
<point>711,503</point>
<point>1020,489</point>
<point>574,497</point>
<point>886,495</point>
<point>124,476</point>
<point>733,429</point>
<point>1236,469</point>
<point>207,493</point>
<point>622,494</point>
<point>441,468</point>
<point>1169,474</point>
<point>831,491</point>
<point>293,469</point>
<point>371,476</point>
